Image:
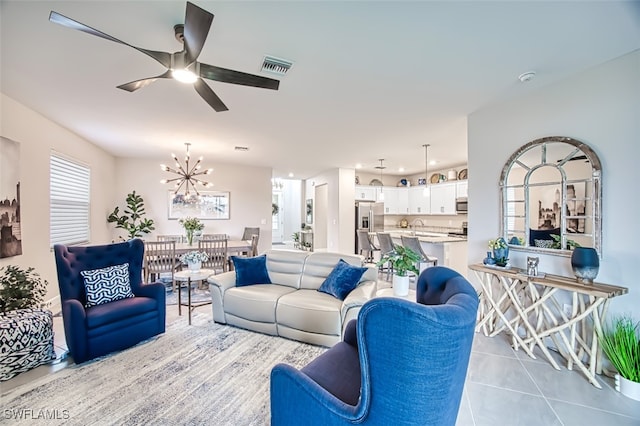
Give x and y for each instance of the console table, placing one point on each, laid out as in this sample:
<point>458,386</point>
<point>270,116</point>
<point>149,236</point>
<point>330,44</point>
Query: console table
<point>528,309</point>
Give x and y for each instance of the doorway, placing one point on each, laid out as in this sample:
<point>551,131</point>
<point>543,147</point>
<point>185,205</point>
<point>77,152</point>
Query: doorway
<point>321,207</point>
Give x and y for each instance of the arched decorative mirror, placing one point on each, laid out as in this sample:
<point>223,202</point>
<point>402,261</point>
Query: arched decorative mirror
<point>551,192</point>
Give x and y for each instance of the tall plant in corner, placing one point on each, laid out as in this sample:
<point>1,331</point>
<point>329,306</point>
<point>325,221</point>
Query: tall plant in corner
<point>132,219</point>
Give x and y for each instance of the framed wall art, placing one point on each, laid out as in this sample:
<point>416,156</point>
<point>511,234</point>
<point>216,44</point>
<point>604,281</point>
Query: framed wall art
<point>10,223</point>
<point>208,205</point>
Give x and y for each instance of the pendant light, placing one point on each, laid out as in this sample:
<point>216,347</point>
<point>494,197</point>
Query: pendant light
<point>381,167</point>
<point>426,176</point>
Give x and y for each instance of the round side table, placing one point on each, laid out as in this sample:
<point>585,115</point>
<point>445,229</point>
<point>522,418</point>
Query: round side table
<point>388,292</point>
<point>188,276</point>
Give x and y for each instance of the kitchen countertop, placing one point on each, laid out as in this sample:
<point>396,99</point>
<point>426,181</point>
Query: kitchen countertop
<point>426,237</point>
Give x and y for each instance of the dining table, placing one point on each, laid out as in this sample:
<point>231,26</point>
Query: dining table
<point>234,247</point>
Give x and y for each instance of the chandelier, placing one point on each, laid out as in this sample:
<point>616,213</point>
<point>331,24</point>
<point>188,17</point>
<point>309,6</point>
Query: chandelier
<point>186,174</point>
<point>381,167</point>
<point>426,163</point>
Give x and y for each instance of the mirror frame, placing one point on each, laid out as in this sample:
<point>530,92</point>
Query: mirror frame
<point>595,182</point>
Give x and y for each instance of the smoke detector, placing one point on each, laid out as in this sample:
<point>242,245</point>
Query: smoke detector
<point>277,66</point>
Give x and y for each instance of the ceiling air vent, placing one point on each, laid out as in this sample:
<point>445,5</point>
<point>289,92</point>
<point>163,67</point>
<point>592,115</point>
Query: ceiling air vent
<point>241,148</point>
<point>276,65</point>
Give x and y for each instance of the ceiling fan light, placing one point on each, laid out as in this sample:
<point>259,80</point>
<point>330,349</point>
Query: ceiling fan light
<point>184,76</point>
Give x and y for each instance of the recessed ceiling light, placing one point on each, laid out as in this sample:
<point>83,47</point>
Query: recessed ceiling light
<point>433,162</point>
<point>401,169</point>
<point>290,174</point>
<point>358,166</point>
<point>526,76</point>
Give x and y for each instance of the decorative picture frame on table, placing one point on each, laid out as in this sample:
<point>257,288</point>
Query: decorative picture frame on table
<point>209,205</point>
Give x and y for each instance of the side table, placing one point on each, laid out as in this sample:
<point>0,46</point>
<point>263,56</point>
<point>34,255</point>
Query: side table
<point>189,276</point>
<point>388,292</point>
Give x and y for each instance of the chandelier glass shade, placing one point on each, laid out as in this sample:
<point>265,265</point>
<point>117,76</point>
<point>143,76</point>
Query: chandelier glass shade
<point>186,178</point>
<point>381,167</point>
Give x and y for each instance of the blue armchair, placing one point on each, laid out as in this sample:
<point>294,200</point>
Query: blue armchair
<point>98,330</point>
<point>401,363</point>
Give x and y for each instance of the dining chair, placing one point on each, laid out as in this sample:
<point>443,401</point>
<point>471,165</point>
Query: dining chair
<point>214,237</point>
<point>254,245</point>
<point>366,247</point>
<point>160,258</point>
<point>413,243</point>
<point>216,249</point>
<point>176,238</point>
<point>386,246</point>
<point>248,232</point>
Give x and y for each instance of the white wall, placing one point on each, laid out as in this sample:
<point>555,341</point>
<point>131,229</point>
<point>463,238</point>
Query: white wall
<point>38,136</point>
<point>249,188</point>
<point>340,215</point>
<point>600,107</point>
<point>292,199</point>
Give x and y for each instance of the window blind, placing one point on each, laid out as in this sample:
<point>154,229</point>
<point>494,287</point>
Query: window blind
<point>69,201</point>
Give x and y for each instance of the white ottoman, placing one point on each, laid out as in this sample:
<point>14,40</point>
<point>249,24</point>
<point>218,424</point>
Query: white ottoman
<point>26,341</point>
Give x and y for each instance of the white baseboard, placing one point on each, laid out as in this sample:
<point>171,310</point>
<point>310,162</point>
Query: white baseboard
<point>53,305</point>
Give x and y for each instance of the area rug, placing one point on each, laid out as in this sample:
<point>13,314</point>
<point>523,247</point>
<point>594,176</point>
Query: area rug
<point>198,296</point>
<point>205,373</point>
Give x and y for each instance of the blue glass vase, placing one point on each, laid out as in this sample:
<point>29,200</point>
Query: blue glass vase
<point>489,260</point>
<point>585,263</point>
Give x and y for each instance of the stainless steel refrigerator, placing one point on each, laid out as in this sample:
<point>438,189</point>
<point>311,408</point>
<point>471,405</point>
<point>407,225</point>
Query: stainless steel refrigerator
<point>368,216</point>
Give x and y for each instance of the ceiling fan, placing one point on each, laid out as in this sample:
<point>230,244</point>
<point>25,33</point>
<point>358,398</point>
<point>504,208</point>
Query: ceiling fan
<point>183,65</point>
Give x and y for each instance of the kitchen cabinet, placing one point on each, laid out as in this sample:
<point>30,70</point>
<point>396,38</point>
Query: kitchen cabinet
<point>396,200</point>
<point>366,193</point>
<point>419,200</point>
<point>462,189</point>
<point>443,198</point>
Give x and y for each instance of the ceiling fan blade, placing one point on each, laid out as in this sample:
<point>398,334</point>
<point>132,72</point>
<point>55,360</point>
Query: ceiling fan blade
<point>197,23</point>
<point>207,94</point>
<point>163,57</point>
<point>236,77</point>
<point>139,84</point>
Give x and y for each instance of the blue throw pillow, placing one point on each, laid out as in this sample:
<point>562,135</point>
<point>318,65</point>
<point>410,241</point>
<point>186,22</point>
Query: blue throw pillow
<point>107,284</point>
<point>251,270</point>
<point>342,280</point>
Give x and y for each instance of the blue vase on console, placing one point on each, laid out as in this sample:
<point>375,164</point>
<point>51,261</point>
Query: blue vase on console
<point>489,260</point>
<point>585,263</point>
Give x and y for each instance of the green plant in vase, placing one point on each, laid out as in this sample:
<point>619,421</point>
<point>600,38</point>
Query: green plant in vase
<point>500,251</point>
<point>621,344</point>
<point>132,218</point>
<point>191,225</point>
<point>20,289</point>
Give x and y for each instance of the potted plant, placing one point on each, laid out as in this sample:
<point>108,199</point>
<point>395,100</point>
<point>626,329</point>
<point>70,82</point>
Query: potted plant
<point>21,288</point>
<point>500,251</point>
<point>403,260</point>
<point>131,220</point>
<point>621,343</point>
<point>194,259</point>
<point>191,225</point>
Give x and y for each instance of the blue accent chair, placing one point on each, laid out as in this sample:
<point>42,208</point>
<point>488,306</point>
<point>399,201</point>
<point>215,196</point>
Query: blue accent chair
<point>99,330</point>
<point>400,363</point>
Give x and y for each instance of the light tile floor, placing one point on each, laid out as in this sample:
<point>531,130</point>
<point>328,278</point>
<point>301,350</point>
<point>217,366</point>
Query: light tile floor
<point>503,387</point>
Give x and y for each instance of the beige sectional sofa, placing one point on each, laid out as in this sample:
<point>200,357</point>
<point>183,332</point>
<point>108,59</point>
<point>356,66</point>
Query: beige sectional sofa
<point>291,306</point>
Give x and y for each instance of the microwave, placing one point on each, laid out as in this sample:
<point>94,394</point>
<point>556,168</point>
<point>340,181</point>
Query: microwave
<point>461,205</point>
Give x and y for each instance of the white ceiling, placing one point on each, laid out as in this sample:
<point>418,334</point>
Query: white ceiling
<point>370,79</point>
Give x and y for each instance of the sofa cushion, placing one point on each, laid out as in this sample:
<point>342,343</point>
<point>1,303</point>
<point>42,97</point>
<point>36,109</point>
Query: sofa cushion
<point>255,302</point>
<point>342,280</point>
<point>285,266</point>
<point>106,285</point>
<point>251,270</point>
<point>319,265</point>
<point>311,311</point>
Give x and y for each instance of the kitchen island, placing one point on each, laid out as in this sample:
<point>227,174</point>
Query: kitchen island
<point>451,251</point>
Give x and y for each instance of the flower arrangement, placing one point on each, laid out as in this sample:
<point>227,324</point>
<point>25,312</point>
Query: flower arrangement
<point>194,257</point>
<point>498,243</point>
<point>191,224</point>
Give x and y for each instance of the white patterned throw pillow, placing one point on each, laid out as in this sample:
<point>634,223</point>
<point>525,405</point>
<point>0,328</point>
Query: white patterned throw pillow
<point>107,284</point>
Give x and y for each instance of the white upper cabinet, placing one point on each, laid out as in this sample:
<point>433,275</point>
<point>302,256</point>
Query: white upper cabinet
<point>443,198</point>
<point>462,189</point>
<point>419,200</point>
<point>396,200</point>
<point>366,193</point>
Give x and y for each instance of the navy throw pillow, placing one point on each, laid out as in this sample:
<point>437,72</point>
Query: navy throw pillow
<point>342,280</point>
<point>251,270</point>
